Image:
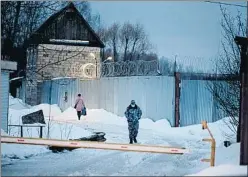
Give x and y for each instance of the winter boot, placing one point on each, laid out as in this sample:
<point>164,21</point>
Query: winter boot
<point>131,141</point>
<point>135,140</point>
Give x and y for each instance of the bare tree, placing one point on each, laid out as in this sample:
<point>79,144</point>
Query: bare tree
<point>227,93</point>
<point>113,32</point>
<point>20,18</point>
<point>125,38</point>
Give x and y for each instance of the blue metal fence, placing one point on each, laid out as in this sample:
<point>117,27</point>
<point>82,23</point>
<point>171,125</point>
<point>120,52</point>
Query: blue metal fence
<point>154,94</point>
<point>60,89</point>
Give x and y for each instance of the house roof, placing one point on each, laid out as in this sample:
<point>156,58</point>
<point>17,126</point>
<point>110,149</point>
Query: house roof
<point>53,17</point>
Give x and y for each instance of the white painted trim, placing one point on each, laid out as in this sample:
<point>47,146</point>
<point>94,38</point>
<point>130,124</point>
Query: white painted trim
<point>69,41</point>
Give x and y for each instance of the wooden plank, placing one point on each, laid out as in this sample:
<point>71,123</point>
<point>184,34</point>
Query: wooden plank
<point>206,139</point>
<point>212,159</point>
<point>95,145</point>
<point>205,160</point>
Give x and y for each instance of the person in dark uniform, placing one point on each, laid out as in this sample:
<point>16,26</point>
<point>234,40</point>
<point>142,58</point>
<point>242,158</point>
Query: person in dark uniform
<point>133,114</point>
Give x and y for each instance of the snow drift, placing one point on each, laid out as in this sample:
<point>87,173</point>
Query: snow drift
<point>223,170</point>
<point>64,125</point>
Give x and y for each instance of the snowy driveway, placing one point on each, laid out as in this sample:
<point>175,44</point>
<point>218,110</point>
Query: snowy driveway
<point>89,162</point>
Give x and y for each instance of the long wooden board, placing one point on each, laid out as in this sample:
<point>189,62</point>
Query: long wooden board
<point>95,145</point>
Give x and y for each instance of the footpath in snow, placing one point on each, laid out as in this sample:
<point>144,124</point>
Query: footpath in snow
<point>19,159</point>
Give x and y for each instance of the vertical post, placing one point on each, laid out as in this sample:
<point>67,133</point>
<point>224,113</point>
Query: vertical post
<point>244,105</point>
<point>177,99</point>
<point>50,102</point>
<point>96,66</point>
<point>212,160</point>
<point>243,114</point>
<point>41,129</point>
<point>213,145</point>
<point>21,131</point>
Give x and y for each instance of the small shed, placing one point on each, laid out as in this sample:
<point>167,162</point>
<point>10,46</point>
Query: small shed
<point>6,68</point>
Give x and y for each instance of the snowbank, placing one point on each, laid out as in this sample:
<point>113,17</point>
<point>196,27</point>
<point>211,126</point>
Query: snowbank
<point>228,155</point>
<point>57,130</point>
<point>220,129</point>
<point>3,133</point>
<point>93,115</point>
<point>65,125</point>
<point>69,114</point>
<point>17,151</point>
<point>223,170</point>
<point>65,131</point>
<point>48,110</point>
<point>226,158</point>
<point>15,103</point>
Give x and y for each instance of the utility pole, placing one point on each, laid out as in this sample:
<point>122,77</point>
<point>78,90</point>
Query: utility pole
<point>243,115</point>
<point>243,111</point>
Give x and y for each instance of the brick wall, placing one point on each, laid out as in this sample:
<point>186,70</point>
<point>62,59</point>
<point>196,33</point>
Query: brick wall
<point>51,61</point>
<point>66,61</point>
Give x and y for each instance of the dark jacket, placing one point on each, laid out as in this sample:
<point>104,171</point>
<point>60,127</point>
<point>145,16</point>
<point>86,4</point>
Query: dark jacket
<point>133,114</point>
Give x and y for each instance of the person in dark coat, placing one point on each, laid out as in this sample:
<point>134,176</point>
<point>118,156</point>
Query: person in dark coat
<point>133,114</point>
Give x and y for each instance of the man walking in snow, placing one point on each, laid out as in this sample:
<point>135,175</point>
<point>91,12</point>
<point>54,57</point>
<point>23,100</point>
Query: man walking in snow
<point>79,105</point>
<point>133,114</point>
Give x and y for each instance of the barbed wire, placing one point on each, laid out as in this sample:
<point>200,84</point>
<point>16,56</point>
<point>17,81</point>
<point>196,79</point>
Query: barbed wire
<point>129,68</point>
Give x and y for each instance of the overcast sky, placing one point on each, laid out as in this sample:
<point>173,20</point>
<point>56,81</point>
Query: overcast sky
<point>187,29</point>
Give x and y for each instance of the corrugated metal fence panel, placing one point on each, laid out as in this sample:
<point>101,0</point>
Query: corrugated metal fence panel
<point>204,103</point>
<point>45,91</point>
<point>197,103</point>
<point>57,93</point>
<point>218,110</point>
<point>4,99</point>
<point>168,96</point>
<point>62,87</point>
<point>90,92</point>
<point>55,85</point>
<point>153,94</point>
<point>188,101</point>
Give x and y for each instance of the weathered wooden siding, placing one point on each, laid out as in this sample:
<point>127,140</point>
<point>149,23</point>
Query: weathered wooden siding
<point>69,25</point>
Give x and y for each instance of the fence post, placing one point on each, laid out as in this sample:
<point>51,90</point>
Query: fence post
<point>177,99</point>
<point>41,129</point>
<point>213,145</point>
<point>21,131</point>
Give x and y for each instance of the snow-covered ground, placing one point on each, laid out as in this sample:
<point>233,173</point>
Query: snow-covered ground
<point>38,160</point>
